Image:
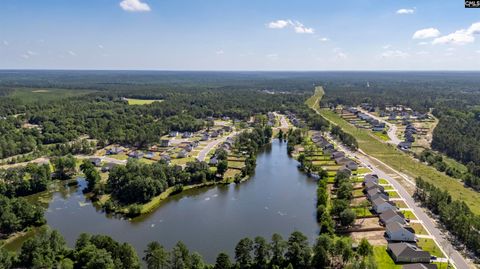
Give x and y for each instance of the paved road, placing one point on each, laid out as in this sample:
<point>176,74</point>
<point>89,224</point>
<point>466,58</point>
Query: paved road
<point>430,225</point>
<point>283,121</point>
<point>203,153</point>
<point>392,128</point>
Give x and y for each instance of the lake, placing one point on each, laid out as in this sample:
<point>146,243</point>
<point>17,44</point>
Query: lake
<point>277,199</point>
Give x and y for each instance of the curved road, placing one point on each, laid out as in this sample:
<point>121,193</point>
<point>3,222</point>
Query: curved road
<point>392,128</point>
<point>203,153</point>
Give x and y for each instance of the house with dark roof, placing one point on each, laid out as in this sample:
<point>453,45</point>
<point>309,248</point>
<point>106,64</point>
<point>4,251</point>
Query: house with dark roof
<point>149,155</point>
<point>136,154</point>
<point>337,154</point>
<point>96,161</point>
<point>370,178</point>
<point>342,160</point>
<point>114,150</point>
<point>373,185</point>
<point>407,253</point>
<point>351,165</point>
<point>380,205</point>
<point>182,154</point>
<point>395,231</point>
<point>205,137</point>
<point>107,167</point>
<point>420,266</point>
<point>213,161</point>
<point>390,216</point>
<point>187,135</point>
<point>376,193</point>
<point>173,133</point>
<point>405,145</point>
<point>164,143</point>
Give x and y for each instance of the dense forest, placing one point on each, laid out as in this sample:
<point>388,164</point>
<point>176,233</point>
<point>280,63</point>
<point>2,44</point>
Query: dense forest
<point>49,250</point>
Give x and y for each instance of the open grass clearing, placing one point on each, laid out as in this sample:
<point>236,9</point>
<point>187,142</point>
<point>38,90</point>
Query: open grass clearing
<point>418,228</point>
<point>43,95</point>
<point>383,259</point>
<point>132,101</point>
<point>400,204</point>
<point>429,245</point>
<point>409,214</point>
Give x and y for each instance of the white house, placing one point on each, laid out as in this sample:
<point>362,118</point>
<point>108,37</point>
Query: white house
<point>396,232</point>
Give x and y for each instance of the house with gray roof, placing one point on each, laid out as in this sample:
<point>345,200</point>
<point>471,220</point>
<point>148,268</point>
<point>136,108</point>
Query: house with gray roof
<point>419,266</point>
<point>380,205</point>
<point>392,215</point>
<point>407,253</point>
<point>395,231</point>
<point>370,178</point>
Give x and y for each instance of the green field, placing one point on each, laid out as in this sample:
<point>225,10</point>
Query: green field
<point>383,259</point>
<point>43,95</point>
<point>409,214</point>
<point>429,245</point>
<point>418,228</point>
<point>132,101</point>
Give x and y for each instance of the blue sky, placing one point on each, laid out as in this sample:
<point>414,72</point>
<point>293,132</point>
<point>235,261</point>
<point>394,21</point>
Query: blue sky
<point>239,35</point>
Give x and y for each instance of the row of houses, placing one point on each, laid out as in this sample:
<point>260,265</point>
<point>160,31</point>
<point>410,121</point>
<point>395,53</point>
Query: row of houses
<point>401,237</point>
<point>271,119</point>
<point>409,138</point>
<point>293,119</point>
<point>347,164</point>
<point>375,124</point>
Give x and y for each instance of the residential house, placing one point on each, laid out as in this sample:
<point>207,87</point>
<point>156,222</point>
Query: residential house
<point>380,205</point>
<point>194,144</point>
<point>407,253</point>
<point>351,165</point>
<point>213,161</point>
<point>225,118</point>
<point>114,150</point>
<point>404,145</point>
<point>390,216</point>
<point>370,178</point>
<point>107,167</point>
<point>165,143</point>
<point>96,161</point>
<point>136,154</point>
<point>166,158</point>
<point>337,155</point>
<point>182,154</point>
<point>395,231</point>
<point>376,193</point>
<point>420,266</point>
<point>342,160</point>
<point>227,128</point>
<point>215,134</point>
<point>173,133</point>
<point>373,185</point>
<point>187,135</point>
<point>205,137</point>
<point>345,170</point>
<point>149,155</point>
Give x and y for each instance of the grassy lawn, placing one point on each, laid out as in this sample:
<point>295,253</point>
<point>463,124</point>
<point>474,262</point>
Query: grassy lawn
<point>383,259</point>
<point>362,212</point>
<point>182,161</point>
<point>388,188</point>
<point>358,192</point>
<point>404,163</point>
<point>418,228</point>
<point>383,181</point>
<point>400,204</point>
<point>121,156</point>
<point>231,173</point>
<point>393,194</point>
<point>429,245</point>
<point>132,101</point>
<point>238,165</point>
<point>363,170</point>
<point>409,214</point>
<point>382,136</point>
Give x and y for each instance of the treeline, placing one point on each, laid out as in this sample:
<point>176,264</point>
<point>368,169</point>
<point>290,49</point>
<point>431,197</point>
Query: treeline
<point>458,136</point>
<point>341,210</point>
<point>251,143</point>
<point>455,215</point>
<point>16,214</point>
<point>49,250</point>
<point>22,181</point>
<point>347,139</point>
<point>138,183</point>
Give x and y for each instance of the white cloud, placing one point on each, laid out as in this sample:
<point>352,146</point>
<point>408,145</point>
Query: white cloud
<point>272,56</point>
<point>394,54</point>
<point>302,29</point>
<point>324,39</point>
<point>220,52</point>
<point>28,54</point>
<point>297,26</point>
<point>386,47</point>
<point>426,33</point>
<point>460,37</point>
<point>423,43</point>
<point>339,54</point>
<point>100,46</point>
<point>279,24</point>
<point>405,11</point>
<point>72,53</point>
<point>134,6</point>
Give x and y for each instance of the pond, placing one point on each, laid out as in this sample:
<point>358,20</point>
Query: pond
<point>277,199</point>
